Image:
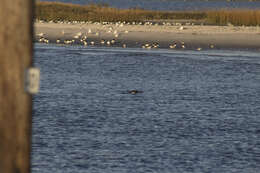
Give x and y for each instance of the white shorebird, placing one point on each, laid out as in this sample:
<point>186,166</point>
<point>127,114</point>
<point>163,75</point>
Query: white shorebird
<point>102,41</point>
<point>173,46</point>
<point>89,31</point>
<point>181,28</point>
<point>41,40</point>
<point>92,42</point>
<point>84,37</point>
<point>183,45</point>
<point>68,41</point>
<point>40,34</point>
<point>147,46</point>
<point>44,40</point>
<point>113,41</point>
<point>155,45</point>
<point>76,36</point>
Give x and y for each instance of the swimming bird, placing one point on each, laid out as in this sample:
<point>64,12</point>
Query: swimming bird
<point>134,91</point>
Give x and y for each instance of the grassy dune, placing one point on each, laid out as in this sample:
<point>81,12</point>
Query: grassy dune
<point>234,17</point>
<point>61,11</point>
<point>102,13</point>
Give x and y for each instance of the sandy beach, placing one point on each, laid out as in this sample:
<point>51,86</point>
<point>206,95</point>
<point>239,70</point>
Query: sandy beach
<point>196,37</point>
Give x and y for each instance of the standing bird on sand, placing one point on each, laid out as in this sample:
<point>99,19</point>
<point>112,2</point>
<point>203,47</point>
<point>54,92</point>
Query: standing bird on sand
<point>113,41</point>
<point>102,41</point>
<point>183,45</point>
<point>173,46</point>
<point>40,34</point>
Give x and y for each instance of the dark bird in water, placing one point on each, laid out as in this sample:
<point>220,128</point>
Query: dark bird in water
<point>134,91</point>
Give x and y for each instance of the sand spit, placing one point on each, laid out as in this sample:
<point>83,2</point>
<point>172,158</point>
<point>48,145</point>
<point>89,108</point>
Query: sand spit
<point>149,35</point>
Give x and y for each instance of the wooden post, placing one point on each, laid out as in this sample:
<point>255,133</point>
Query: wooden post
<point>15,104</point>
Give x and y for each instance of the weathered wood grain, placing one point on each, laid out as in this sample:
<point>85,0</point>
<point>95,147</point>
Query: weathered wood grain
<point>15,105</point>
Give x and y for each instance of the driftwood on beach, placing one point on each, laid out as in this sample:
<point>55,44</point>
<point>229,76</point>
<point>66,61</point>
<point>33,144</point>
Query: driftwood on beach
<point>15,104</point>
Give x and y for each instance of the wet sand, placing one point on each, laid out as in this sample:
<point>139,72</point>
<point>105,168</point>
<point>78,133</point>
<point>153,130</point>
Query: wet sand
<point>195,37</point>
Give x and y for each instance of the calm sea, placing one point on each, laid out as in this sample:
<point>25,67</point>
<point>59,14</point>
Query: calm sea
<point>170,4</point>
<point>196,112</point>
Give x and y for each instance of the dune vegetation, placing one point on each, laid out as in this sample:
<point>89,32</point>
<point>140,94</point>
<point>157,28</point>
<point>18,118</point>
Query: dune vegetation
<point>235,17</point>
<point>56,11</point>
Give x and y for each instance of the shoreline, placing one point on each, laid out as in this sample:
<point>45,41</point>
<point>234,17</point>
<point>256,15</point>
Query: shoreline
<point>149,36</point>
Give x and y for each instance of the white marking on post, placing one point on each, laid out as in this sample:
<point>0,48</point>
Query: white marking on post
<point>32,84</point>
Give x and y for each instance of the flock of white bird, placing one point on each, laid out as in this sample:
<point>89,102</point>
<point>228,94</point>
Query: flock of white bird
<point>83,37</point>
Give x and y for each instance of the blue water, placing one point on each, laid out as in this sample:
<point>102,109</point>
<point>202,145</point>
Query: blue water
<point>197,112</point>
<point>170,4</point>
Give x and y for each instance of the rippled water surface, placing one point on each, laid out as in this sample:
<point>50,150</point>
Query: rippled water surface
<point>197,111</point>
<point>170,4</point>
